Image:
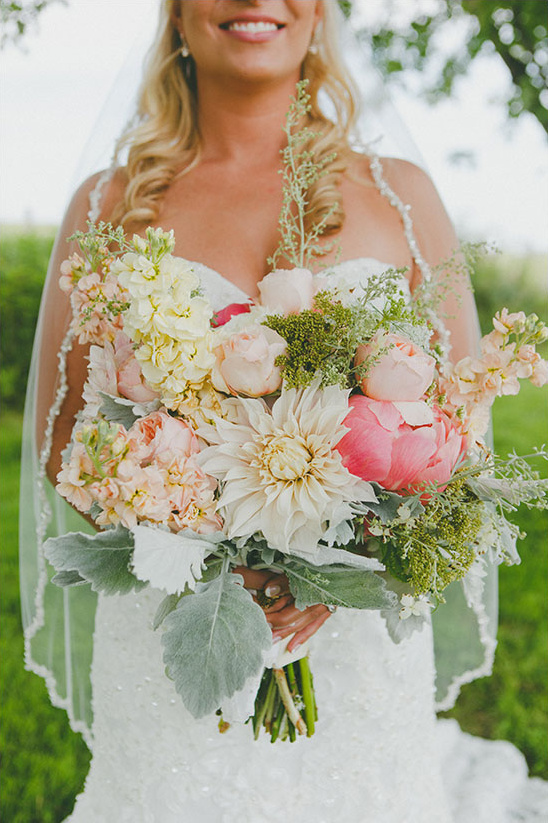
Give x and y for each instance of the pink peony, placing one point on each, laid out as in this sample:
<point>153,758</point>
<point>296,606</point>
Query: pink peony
<point>404,372</point>
<point>246,362</point>
<point>223,316</point>
<point>382,447</point>
<point>287,291</point>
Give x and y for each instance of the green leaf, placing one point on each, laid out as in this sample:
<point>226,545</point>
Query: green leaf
<point>101,559</point>
<point>337,586</point>
<point>71,578</point>
<point>168,605</point>
<point>118,412</point>
<point>214,642</point>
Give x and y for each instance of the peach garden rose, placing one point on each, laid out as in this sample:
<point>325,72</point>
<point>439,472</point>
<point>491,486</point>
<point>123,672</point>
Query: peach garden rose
<point>400,370</point>
<point>245,363</point>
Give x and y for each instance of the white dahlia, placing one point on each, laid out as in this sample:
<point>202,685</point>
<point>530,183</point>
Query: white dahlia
<point>281,474</point>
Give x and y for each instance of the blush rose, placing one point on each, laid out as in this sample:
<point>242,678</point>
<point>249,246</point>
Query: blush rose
<point>287,291</point>
<point>246,362</point>
<point>400,370</point>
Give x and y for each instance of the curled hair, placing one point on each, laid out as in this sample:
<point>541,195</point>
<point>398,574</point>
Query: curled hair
<point>166,142</point>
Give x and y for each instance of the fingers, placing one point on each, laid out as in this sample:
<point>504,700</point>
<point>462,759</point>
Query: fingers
<point>306,633</point>
<point>290,620</point>
<point>278,605</point>
<point>276,585</point>
<point>273,585</point>
<point>253,579</point>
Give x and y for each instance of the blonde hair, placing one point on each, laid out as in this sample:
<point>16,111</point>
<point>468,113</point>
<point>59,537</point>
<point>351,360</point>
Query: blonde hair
<point>166,142</point>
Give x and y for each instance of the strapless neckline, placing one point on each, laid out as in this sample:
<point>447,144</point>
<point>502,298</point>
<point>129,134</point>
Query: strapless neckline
<point>379,265</point>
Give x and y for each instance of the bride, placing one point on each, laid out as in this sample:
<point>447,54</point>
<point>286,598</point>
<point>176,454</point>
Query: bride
<point>204,160</point>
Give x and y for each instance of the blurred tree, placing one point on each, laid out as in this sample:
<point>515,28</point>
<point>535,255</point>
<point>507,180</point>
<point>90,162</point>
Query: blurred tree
<point>515,29</point>
<point>18,16</point>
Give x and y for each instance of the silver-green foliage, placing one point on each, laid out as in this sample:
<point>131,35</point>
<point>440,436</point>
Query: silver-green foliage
<point>337,586</point>
<point>101,559</point>
<point>213,642</point>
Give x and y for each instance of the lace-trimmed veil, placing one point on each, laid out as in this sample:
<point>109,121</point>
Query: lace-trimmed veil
<point>59,622</point>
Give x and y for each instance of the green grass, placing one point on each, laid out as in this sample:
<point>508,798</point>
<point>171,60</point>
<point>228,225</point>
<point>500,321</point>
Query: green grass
<point>44,763</point>
<point>512,703</point>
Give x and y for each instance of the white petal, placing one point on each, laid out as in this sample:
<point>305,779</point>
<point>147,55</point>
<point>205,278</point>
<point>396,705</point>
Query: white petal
<point>415,413</point>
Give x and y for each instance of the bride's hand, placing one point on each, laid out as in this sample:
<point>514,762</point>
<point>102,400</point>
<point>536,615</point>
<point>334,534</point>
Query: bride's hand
<point>274,597</point>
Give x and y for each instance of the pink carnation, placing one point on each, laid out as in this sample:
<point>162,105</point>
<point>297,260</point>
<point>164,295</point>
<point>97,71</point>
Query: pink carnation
<point>163,437</point>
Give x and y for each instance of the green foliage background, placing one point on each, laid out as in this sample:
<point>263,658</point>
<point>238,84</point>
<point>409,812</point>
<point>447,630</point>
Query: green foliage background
<point>516,30</point>
<point>44,763</point>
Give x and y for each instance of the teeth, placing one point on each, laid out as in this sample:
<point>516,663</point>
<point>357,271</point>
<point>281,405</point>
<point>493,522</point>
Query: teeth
<point>253,26</point>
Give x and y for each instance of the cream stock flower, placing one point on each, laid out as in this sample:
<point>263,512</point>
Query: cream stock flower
<point>283,477</point>
<point>170,322</point>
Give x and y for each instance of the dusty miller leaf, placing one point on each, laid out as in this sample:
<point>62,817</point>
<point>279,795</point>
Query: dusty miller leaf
<point>116,412</point>
<point>170,561</point>
<point>168,605</point>
<point>337,586</point>
<point>214,642</point>
<point>71,578</point>
<point>101,559</point>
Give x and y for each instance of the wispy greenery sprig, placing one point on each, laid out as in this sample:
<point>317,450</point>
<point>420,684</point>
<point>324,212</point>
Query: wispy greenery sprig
<point>101,242</point>
<point>301,170</point>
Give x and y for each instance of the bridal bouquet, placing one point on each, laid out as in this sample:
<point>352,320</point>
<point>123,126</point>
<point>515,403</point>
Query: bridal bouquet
<point>317,432</point>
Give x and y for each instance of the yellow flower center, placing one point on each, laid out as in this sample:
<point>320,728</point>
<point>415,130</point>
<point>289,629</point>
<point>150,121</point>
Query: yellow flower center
<point>286,457</point>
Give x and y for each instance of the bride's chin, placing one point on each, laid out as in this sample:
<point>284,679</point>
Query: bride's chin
<point>259,69</point>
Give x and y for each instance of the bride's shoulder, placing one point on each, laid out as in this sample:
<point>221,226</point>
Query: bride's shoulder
<point>409,182</point>
<point>100,193</point>
<point>414,188</point>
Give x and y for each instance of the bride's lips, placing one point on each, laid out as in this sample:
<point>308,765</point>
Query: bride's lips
<point>253,29</point>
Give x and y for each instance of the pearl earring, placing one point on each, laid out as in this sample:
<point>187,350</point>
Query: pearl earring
<point>184,50</point>
<point>313,47</point>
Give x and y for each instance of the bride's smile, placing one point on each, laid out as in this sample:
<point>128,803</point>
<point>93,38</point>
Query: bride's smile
<point>259,40</point>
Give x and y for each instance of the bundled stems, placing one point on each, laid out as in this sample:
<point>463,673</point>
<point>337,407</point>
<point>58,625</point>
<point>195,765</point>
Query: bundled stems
<point>283,694</point>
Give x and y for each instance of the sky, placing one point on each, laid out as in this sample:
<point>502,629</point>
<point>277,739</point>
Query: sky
<point>53,91</point>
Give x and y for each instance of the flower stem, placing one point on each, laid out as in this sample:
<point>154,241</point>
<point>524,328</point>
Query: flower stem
<point>287,701</point>
<point>308,695</point>
<point>259,716</point>
<point>277,722</point>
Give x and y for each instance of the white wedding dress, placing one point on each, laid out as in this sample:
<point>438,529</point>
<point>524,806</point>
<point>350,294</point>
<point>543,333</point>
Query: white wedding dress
<point>379,755</point>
